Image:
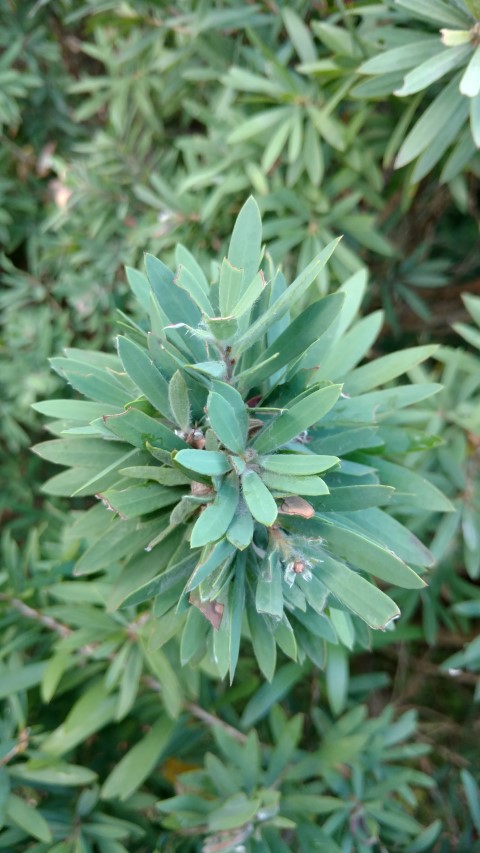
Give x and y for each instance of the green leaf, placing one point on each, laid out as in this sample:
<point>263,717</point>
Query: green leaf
<point>140,500</point>
<point>119,539</point>
<point>297,464</point>
<point>195,288</point>
<point>297,337</point>
<point>295,420</point>
<point>240,532</point>
<point>411,488</point>
<point>21,678</point>
<point>138,429</point>
<point>211,559</point>
<point>386,368</point>
<point>209,462</point>
<point>336,679</point>
<point>146,376</point>
<point>258,499</point>
<point>236,609</point>
<point>89,714</point>
<point>82,452</point>
<point>470,82</point>
<point>399,58</point>
<point>269,694</point>
<point>269,595</point>
<point>358,550</point>
<point>391,534</point>
<point>162,583</point>
<point>357,594</point>
<point>214,521</point>
<point>299,35</point>
<point>276,143</point>
<point>234,812</point>
<point>94,382</point>
<point>222,328</point>
<point>54,670</point>
<point>159,664</point>
<point>285,302</point>
<point>244,251</point>
<point>352,498</point>
<point>129,683</point>
<point>263,642</point>
<point>250,295</point>
<point>437,116</point>
<point>63,775</point>
<point>433,69</point>
<point>472,793</point>
<point>28,818</point>
<point>230,287</point>
<point>74,410</point>
<point>475,119</point>
<point>290,485</point>
<point>441,13</point>
<point>138,763</point>
<point>229,422</point>
<point>426,838</point>
<point>178,400</point>
<point>192,644</point>
<point>184,258</point>
<point>159,473</point>
<point>313,804</point>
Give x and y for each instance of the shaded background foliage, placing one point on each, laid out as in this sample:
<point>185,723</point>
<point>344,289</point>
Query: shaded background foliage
<point>133,127</point>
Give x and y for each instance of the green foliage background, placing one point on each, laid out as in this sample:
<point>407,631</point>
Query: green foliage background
<point>139,126</point>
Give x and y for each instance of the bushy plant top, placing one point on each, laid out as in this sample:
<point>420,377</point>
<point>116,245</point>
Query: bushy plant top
<point>236,440</point>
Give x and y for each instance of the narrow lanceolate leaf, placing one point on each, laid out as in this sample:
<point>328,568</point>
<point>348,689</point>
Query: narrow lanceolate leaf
<point>140,500</point>
<point>433,69</point>
<point>250,296</point>
<point>293,294</point>
<point>142,370</point>
<point>93,382</point>
<point>411,488</point>
<point>240,532</point>
<point>209,462</point>
<point>236,608</point>
<point>229,429</point>
<point>215,520</point>
<point>357,548</point>
<point>291,485</point>
<point>385,369</point>
<point>426,129</point>
<point>221,554</point>
<point>178,399</point>
<point>269,595</point>
<point>258,499</point>
<point>244,251</point>
<point>195,289</point>
<point>139,429</point>
<point>475,119</point>
<point>28,818</point>
<point>138,763</point>
<point>360,596</point>
<point>297,337</point>
<point>230,287</point>
<point>296,464</point>
<point>470,82</point>
<point>301,416</point>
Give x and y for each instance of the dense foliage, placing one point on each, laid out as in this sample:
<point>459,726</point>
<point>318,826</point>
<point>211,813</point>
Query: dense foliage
<point>270,643</point>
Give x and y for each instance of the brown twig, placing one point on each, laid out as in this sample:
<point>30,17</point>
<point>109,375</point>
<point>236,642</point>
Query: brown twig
<point>20,746</point>
<point>89,651</point>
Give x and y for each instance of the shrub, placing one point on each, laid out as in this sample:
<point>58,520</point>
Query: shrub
<point>207,435</point>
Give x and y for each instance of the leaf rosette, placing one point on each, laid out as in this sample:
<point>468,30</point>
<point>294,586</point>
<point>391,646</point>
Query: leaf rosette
<point>246,458</point>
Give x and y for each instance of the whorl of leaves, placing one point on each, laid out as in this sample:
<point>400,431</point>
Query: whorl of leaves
<point>246,457</point>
